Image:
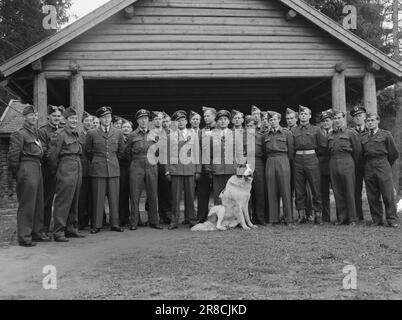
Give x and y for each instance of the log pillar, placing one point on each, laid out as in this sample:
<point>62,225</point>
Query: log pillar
<point>370,92</point>
<point>40,97</point>
<point>339,89</point>
<point>77,90</point>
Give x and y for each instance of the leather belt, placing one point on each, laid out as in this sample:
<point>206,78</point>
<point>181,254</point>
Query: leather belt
<point>305,152</point>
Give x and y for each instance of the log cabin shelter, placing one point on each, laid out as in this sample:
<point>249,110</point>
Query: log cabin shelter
<point>185,54</point>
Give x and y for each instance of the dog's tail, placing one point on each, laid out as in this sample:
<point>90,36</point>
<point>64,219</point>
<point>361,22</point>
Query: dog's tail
<point>210,225</point>
<point>206,226</point>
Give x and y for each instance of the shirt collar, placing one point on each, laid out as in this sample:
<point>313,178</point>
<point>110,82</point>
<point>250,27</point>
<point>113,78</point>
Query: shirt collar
<point>340,129</point>
<point>108,128</point>
<point>279,129</point>
<point>305,125</point>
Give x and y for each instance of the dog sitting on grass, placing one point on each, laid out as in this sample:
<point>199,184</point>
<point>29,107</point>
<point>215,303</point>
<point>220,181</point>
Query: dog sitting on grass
<point>234,208</point>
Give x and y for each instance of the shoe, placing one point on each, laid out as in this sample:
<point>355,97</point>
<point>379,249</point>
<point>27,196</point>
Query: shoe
<point>133,228</point>
<point>28,244</point>
<point>74,235</point>
<point>61,239</point>
<point>394,225</point>
<point>376,224</point>
<point>156,226</point>
<point>117,229</point>
<point>173,226</point>
<point>95,231</point>
<point>42,238</point>
<point>302,217</point>
<point>318,218</point>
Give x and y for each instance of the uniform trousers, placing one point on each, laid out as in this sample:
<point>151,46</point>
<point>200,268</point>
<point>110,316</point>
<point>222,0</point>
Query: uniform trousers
<point>30,200</point>
<point>68,185</point>
<point>102,187</point>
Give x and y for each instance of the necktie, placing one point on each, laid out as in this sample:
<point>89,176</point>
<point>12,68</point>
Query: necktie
<point>371,133</point>
<point>106,130</point>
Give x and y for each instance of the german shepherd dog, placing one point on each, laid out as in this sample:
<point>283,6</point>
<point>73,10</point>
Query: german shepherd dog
<point>234,208</point>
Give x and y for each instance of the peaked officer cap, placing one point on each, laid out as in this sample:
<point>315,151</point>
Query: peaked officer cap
<point>357,110</point>
<point>326,114</point>
<point>223,113</point>
<point>104,111</point>
<point>180,114</point>
<point>142,113</point>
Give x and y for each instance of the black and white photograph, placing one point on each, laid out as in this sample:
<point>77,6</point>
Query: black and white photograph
<point>179,151</point>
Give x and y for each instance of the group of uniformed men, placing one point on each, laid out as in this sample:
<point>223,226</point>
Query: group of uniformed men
<point>66,173</point>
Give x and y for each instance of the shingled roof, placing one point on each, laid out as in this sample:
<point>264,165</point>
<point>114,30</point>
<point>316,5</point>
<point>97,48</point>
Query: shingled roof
<point>112,7</point>
<point>12,118</point>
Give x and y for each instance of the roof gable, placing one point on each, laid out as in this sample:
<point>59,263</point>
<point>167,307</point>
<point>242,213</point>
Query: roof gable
<point>114,6</point>
<point>12,118</point>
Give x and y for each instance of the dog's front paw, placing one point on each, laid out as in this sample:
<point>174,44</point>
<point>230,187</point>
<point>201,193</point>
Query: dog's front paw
<point>246,228</point>
<point>221,228</point>
<point>254,226</point>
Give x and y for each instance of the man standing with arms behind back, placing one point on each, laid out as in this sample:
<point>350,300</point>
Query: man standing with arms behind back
<point>359,115</point>
<point>46,133</point>
<point>204,183</point>
<point>380,153</point>
<point>103,146</point>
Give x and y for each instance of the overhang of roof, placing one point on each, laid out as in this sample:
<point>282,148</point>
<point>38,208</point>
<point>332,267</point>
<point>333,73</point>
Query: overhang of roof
<point>112,7</point>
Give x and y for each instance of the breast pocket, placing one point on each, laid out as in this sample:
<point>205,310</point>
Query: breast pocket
<point>282,143</point>
<point>72,145</point>
<point>344,142</point>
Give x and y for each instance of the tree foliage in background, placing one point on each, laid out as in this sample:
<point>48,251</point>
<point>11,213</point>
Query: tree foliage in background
<point>21,23</point>
<point>373,19</point>
<point>21,27</point>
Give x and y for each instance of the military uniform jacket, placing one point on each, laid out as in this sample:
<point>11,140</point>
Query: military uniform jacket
<point>344,141</point>
<point>308,137</point>
<point>258,143</point>
<point>137,146</point>
<point>204,135</point>
<point>361,133</point>
<point>24,143</point>
<point>221,154</point>
<point>278,142</point>
<point>323,156</point>
<point>46,134</point>
<point>66,143</point>
<point>103,151</point>
<point>177,145</point>
<point>382,144</point>
<point>85,163</point>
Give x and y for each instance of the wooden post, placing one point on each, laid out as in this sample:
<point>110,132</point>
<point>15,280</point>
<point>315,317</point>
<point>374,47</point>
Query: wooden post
<point>40,97</point>
<point>339,89</point>
<point>370,92</point>
<point>77,93</point>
